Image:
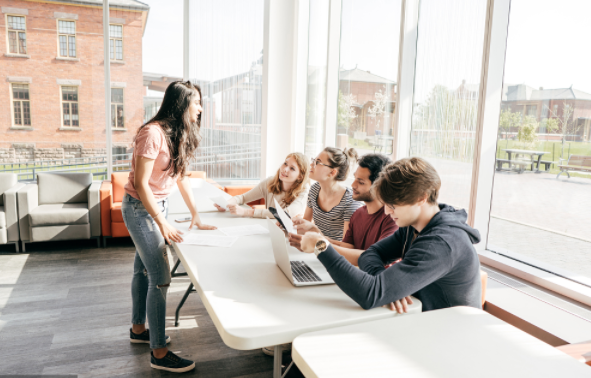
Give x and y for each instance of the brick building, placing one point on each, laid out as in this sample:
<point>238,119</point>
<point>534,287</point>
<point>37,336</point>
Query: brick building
<point>364,85</point>
<point>550,103</point>
<point>52,67</point>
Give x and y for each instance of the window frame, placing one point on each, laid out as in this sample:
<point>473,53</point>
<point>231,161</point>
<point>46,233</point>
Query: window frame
<point>117,127</point>
<point>16,31</point>
<point>115,44</point>
<point>62,126</point>
<point>75,35</point>
<point>12,114</point>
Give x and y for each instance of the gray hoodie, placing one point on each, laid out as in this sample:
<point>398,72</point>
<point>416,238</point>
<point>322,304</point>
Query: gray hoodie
<point>440,267</point>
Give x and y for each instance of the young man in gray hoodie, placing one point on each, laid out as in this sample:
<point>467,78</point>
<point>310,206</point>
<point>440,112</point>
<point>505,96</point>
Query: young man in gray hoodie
<point>438,263</point>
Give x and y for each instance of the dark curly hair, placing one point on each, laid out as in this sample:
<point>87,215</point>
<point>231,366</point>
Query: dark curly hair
<point>374,163</point>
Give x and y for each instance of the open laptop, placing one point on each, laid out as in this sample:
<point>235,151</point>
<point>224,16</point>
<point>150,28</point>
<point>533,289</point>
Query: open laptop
<point>299,273</point>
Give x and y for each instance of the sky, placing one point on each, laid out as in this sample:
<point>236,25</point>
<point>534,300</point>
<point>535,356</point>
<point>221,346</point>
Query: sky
<point>547,44</point>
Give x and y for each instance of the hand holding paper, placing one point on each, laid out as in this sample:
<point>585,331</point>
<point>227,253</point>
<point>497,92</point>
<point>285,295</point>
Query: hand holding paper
<point>220,201</point>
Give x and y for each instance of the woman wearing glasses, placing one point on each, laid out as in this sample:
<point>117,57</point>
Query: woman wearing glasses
<point>289,187</point>
<point>330,205</point>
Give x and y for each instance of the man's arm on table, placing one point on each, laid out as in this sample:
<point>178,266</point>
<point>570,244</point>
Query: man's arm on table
<point>372,285</point>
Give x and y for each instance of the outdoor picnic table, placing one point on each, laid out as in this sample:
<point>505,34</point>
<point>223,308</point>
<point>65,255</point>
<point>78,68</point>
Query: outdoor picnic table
<point>533,155</point>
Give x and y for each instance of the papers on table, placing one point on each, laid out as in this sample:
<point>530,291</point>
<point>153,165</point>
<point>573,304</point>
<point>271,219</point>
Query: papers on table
<point>254,229</point>
<point>209,240</point>
<point>285,219</point>
<point>220,201</point>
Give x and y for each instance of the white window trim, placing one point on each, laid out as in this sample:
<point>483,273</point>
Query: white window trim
<point>62,126</point>
<point>25,31</point>
<point>119,103</point>
<point>12,119</point>
<point>57,25</point>
<point>114,46</point>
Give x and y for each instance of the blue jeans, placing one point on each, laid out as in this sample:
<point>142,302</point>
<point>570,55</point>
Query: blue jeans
<point>151,270</point>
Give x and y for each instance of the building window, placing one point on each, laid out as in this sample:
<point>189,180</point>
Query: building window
<point>70,106</point>
<point>116,41</point>
<point>17,35</point>
<point>67,38</point>
<point>21,105</point>
<point>117,108</point>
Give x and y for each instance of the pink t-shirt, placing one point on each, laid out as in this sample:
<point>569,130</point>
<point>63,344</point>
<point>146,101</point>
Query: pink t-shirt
<point>151,143</point>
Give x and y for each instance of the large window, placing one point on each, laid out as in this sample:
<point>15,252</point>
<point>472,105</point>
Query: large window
<point>70,107</point>
<point>17,34</point>
<point>117,119</point>
<point>227,62</point>
<point>116,41</point>
<point>367,74</point>
<point>67,38</point>
<point>317,74</point>
<point>446,91</point>
<point>539,214</point>
<point>21,105</point>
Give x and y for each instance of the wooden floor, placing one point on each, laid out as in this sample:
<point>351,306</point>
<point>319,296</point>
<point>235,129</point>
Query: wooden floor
<point>65,310</point>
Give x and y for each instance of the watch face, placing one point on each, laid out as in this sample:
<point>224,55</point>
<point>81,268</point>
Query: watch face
<point>321,245</point>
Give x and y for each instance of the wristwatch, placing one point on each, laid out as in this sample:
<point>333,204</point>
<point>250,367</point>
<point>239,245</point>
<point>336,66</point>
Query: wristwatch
<point>320,246</point>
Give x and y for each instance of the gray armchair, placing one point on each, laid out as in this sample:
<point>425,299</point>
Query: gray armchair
<point>8,209</point>
<point>60,206</point>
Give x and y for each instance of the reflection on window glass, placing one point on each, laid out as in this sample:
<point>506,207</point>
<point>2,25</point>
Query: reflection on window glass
<point>317,71</point>
<point>367,75</point>
<point>447,82</point>
<point>541,204</point>
<point>227,62</point>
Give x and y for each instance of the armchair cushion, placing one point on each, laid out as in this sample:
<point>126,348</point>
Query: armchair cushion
<point>116,214</point>
<point>59,214</point>
<point>106,198</point>
<point>7,181</point>
<point>11,212</point>
<point>2,217</point>
<point>63,187</point>
<point>119,179</point>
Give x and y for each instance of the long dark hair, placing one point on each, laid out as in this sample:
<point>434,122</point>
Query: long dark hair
<point>182,135</point>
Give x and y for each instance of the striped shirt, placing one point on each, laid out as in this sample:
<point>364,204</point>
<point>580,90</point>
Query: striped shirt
<point>331,223</point>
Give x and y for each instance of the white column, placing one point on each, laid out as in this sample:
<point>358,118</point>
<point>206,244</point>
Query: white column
<point>186,40</point>
<point>332,72</point>
<point>409,24</point>
<point>107,57</point>
<point>280,83</point>
<point>493,65</point>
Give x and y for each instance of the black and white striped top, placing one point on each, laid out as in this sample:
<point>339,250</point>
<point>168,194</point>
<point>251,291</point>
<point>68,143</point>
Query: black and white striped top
<point>331,223</point>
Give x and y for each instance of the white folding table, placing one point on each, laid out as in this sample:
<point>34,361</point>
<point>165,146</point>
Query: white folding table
<point>459,342</point>
<point>251,302</point>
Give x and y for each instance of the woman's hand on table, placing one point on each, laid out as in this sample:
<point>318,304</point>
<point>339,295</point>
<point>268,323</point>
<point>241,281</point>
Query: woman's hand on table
<point>168,231</point>
<point>195,221</point>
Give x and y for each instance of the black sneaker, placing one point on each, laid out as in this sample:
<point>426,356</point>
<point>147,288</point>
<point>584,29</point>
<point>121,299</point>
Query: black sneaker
<point>172,362</point>
<point>143,338</point>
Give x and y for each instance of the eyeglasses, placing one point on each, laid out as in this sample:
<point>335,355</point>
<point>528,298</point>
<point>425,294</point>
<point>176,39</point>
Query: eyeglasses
<point>317,161</point>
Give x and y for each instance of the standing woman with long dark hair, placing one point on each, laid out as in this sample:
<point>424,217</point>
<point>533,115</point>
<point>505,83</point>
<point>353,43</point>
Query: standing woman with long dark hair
<point>162,150</point>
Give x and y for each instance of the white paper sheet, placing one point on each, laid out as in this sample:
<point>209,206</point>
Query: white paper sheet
<point>251,229</point>
<point>208,240</point>
<point>285,219</point>
<point>220,201</point>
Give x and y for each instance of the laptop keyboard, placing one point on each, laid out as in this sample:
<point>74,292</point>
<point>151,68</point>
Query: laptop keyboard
<point>303,273</point>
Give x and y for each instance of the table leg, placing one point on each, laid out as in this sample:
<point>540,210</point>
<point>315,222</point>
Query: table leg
<point>182,302</point>
<point>538,165</point>
<point>277,360</point>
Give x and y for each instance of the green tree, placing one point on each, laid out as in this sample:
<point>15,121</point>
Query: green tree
<point>526,134</point>
<point>507,121</point>
<point>565,123</point>
<point>346,110</point>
